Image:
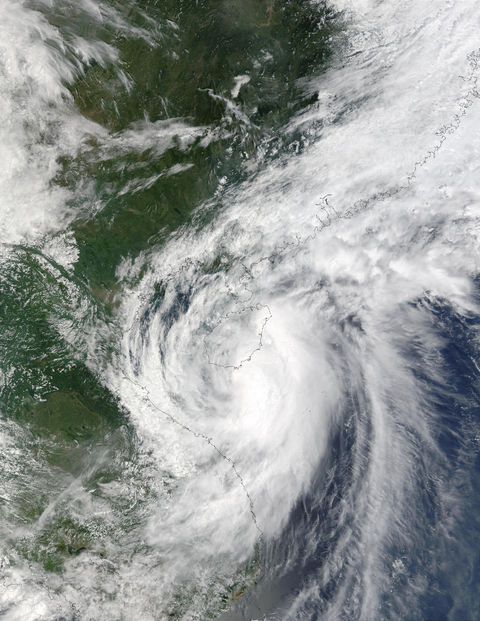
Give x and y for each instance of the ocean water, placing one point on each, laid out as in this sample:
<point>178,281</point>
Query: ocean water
<point>240,310</point>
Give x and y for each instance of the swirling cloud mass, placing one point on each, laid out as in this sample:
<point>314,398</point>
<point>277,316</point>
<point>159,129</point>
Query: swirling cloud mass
<point>240,325</point>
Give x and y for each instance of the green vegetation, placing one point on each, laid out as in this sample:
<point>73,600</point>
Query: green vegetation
<point>186,69</point>
<point>177,66</point>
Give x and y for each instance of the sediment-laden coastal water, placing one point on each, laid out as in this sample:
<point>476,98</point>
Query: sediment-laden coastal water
<point>239,310</point>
